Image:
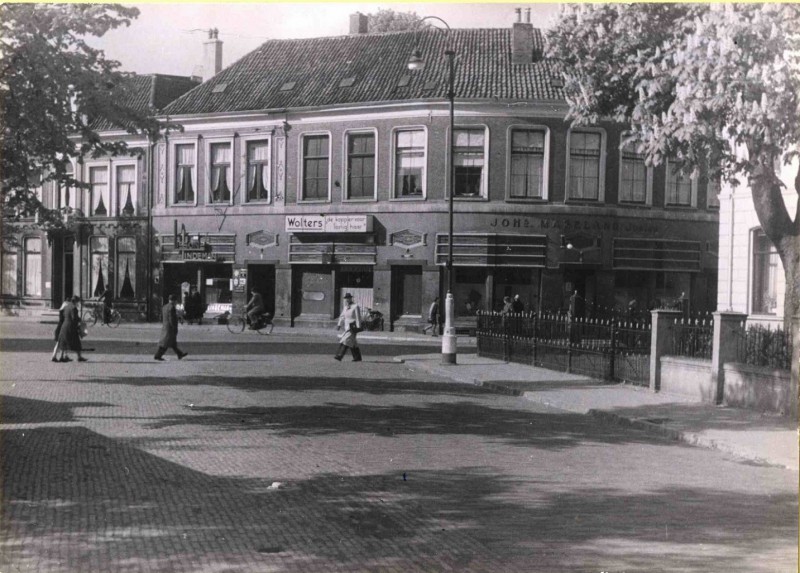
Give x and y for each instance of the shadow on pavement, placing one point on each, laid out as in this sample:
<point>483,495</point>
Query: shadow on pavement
<point>77,501</point>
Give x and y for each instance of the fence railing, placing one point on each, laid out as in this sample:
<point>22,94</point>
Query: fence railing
<point>692,338</point>
<point>760,346</point>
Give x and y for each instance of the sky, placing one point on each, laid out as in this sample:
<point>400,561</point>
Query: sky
<point>168,38</point>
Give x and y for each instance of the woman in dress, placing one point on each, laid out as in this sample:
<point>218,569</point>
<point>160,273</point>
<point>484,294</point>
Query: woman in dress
<point>70,336</point>
<point>64,305</point>
<point>350,318</point>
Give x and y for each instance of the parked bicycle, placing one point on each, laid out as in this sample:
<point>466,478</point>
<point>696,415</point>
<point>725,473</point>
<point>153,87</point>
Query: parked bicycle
<point>95,314</point>
<point>237,324</point>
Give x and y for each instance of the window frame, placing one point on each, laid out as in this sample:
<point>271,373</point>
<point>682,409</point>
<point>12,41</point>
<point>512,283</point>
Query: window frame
<point>302,171</point>
<point>209,143</point>
<point>172,163</point>
<point>117,260</point>
<point>15,282</point>
<point>25,270</point>
<point>346,165</point>
<point>648,191</point>
<point>244,183</point>
<point>713,189</point>
<point>602,158</point>
<point>394,165</point>
<point>60,192</point>
<point>89,194</point>
<point>756,233</point>
<point>484,190</point>
<point>545,163</point>
<point>109,263</point>
<point>668,178</point>
<point>118,203</point>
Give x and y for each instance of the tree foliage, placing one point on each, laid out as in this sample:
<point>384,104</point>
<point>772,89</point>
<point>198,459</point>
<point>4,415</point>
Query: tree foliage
<point>54,87</point>
<point>707,85</point>
<point>386,20</point>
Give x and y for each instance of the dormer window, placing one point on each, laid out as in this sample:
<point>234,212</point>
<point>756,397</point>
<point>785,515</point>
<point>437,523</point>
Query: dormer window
<point>288,86</point>
<point>347,82</point>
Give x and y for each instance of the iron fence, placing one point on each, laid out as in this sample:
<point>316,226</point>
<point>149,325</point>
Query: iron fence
<point>760,346</point>
<point>692,338</point>
<point>611,349</point>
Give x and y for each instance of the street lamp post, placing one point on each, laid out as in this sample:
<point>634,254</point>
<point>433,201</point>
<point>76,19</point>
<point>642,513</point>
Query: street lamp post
<point>415,62</point>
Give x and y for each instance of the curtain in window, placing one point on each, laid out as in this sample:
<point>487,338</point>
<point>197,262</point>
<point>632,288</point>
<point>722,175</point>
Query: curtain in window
<point>468,160</point>
<point>33,267</point>
<point>257,171</point>
<point>409,163</point>
<point>126,193</point>
<point>766,269</point>
<point>126,267</point>
<point>220,173</point>
<point>584,162</point>
<point>67,196</point>
<point>527,164</point>
<point>99,269</point>
<point>184,187</point>
<point>9,262</point>
<point>98,178</point>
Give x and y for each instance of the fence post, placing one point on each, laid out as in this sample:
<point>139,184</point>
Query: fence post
<point>611,363</point>
<point>728,332</point>
<point>661,328</point>
<point>570,334</point>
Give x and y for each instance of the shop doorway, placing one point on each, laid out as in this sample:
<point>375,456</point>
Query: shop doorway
<point>313,285</point>
<point>262,278</point>
<point>213,281</point>
<point>406,291</point>
<point>357,281</point>
<point>582,282</point>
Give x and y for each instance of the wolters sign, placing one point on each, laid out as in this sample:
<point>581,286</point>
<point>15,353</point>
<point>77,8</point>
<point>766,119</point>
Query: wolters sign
<point>329,223</point>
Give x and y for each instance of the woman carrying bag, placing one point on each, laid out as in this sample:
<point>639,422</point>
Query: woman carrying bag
<point>351,320</point>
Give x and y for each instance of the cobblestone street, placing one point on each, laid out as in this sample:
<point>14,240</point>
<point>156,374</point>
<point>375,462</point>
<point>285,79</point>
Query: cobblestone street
<point>277,461</point>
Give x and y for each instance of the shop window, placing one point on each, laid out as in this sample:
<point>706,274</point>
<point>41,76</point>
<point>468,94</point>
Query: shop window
<point>634,176</point>
<point>33,267</point>
<point>681,187</point>
<point>584,172</point>
<point>360,165</point>
<point>527,164</point>
<point>98,191</point>
<point>766,270</point>
<point>220,183</point>
<point>258,171</point>
<point>126,189</point>
<point>9,263</point>
<point>184,173</point>
<point>469,157</point>
<point>98,279</point>
<point>126,267</point>
<point>316,156</point>
<point>470,291</point>
<point>409,179</point>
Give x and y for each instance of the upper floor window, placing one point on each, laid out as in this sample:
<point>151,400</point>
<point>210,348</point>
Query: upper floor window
<point>126,267</point>
<point>258,170</point>
<point>712,193</point>
<point>469,155</point>
<point>66,194</point>
<point>409,163</point>
<point>220,183</point>
<point>33,267</point>
<point>681,187</point>
<point>184,173</point>
<point>98,192</point>
<point>316,162</point>
<point>9,284</point>
<point>634,176</point>
<point>360,165</point>
<point>584,181</point>
<point>126,189</point>
<point>528,164</point>
<point>766,270</point>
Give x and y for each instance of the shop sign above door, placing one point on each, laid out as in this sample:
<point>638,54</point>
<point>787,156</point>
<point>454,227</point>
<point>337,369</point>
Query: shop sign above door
<point>329,223</point>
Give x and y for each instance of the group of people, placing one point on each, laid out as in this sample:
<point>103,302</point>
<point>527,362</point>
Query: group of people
<point>514,305</point>
<point>68,332</point>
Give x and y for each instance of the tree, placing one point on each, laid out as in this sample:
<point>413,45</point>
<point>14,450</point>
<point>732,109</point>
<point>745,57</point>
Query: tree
<point>54,90</point>
<point>710,86</point>
<point>386,20</point>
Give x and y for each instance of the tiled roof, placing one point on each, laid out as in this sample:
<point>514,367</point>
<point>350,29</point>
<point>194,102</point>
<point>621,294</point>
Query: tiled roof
<point>378,62</point>
<point>146,94</point>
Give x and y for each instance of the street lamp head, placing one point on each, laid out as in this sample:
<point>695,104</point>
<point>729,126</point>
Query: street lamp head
<point>570,246</point>
<point>415,62</point>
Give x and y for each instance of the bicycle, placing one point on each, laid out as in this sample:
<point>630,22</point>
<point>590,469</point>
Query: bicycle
<point>93,315</point>
<point>264,326</point>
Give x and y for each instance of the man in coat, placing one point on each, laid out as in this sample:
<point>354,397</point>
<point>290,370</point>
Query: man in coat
<point>350,319</point>
<point>169,330</point>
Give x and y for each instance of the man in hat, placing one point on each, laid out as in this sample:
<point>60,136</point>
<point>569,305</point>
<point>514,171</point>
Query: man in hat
<point>351,320</point>
<point>169,330</point>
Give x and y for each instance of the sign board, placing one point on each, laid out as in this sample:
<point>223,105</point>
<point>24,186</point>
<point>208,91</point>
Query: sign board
<point>329,223</point>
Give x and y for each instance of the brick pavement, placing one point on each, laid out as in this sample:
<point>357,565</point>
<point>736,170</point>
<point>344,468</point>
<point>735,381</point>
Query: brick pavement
<point>276,462</point>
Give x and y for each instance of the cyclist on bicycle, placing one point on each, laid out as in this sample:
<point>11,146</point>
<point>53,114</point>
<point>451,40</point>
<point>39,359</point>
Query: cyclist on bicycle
<point>106,301</point>
<point>255,308</point>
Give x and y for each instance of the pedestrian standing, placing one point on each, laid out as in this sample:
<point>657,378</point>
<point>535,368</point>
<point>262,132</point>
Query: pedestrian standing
<point>516,305</point>
<point>169,330</point>
<point>351,320</point>
<point>69,337</point>
<point>57,333</point>
<point>507,305</point>
<point>433,318</point>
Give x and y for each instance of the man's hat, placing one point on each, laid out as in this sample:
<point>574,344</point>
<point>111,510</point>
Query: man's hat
<point>348,295</point>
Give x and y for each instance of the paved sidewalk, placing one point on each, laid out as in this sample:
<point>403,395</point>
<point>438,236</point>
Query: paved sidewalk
<point>752,436</point>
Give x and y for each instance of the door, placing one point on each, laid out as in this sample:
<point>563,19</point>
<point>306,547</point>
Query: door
<point>406,291</point>
<point>314,290</point>
<point>262,278</point>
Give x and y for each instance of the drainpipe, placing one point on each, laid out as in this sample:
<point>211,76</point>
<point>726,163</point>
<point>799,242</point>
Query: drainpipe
<point>150,182</point>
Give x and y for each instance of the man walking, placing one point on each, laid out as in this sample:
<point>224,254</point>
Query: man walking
<point>169,330</point>
<point>433,318</point>
<point>351,320</point>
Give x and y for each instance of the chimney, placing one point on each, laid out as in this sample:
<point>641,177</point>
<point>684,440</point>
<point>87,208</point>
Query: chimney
<point>522,39</point>
<point>212,55</point>
<point>358,23</point>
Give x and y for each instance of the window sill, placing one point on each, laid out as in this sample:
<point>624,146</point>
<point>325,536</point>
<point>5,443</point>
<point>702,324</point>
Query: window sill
<point>410,198</point>
<point>361,200</point>
<point>256,203</point>
<point>313,201</point>
<point>635,205</point>
<point>470,198</point>
<point>680,207</point>
<point>584,202</point>
<point>526,200</point>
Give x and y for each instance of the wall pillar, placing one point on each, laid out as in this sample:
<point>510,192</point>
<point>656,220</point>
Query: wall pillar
<point>728,331</point>
<point>662,324</point>
<point>283,294</point>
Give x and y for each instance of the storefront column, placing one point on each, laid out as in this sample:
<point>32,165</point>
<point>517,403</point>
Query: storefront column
<point>283,294</point>
<point>382,291</point>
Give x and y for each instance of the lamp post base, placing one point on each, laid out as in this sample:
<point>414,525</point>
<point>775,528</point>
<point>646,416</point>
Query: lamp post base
<point>449,339</point>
